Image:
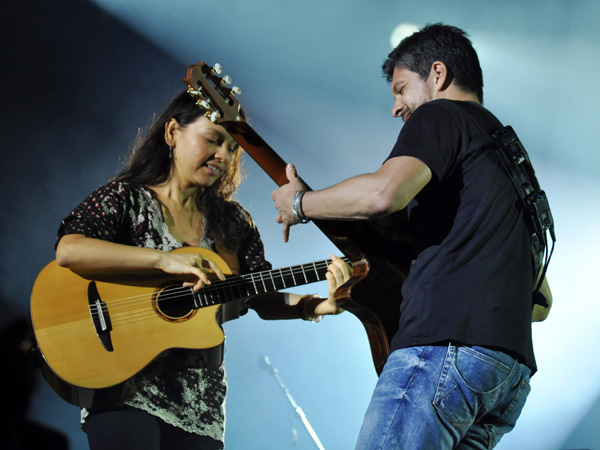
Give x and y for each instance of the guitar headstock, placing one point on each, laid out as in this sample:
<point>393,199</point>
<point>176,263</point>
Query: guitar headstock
<point>213,94</point>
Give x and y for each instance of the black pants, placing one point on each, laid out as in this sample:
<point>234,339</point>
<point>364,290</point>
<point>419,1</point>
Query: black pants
<point>128,428</point>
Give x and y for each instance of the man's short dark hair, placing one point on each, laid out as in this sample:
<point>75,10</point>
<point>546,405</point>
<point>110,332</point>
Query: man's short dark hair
<point>439,42</point>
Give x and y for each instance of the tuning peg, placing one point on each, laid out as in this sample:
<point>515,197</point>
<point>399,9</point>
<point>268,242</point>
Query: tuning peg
<point>204,104</point>
<point>236,90</point>
<point>218,68</point>
<point>214,116</point>
<point>227,79</point>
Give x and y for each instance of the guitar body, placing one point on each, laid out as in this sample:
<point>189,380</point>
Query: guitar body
<point>145,335</point>
<point>381,252</point>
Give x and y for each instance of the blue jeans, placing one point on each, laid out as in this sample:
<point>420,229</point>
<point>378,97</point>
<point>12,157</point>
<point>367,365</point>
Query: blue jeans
<point>439,397</point>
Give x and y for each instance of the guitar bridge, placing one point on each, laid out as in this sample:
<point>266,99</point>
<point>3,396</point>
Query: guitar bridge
<point>100,317</point>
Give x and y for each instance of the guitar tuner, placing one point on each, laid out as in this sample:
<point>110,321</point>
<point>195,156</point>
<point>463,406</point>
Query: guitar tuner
<point>213,93</point>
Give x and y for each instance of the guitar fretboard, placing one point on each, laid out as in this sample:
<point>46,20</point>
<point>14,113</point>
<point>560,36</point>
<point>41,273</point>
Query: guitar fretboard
<point>255,283</point>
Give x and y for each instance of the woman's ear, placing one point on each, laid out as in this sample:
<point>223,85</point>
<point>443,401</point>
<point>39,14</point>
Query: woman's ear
<point>171,128</point>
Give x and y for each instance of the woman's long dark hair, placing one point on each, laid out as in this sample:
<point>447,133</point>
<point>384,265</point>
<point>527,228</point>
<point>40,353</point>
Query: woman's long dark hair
<point>150,164</point>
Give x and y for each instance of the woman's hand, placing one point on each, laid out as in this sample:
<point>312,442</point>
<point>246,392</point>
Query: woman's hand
<point>190,264</point>
<point>338,273</point>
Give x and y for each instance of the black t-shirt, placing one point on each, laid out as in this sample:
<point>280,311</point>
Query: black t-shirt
<point>472,279</point>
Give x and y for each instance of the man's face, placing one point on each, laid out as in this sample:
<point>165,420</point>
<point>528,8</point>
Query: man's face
<point>410,91</point>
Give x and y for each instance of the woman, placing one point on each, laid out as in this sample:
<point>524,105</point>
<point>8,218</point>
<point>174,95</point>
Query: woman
<point>175,191</point>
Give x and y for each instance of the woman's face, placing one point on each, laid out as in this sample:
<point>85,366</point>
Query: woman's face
<point>202,151</point>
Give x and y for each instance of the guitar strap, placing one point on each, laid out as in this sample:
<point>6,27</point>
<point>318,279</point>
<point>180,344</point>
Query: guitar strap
<point>517,165</point>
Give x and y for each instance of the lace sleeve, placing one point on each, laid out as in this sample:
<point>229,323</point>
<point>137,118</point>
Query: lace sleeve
<point>98,216</point>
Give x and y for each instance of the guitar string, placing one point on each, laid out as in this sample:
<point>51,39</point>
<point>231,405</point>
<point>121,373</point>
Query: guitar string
<point>234,282</point>
<point>130,314</point>
<point>172,295</point>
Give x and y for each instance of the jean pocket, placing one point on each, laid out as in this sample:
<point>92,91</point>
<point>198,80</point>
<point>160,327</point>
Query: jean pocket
<point>469,381</point>
<point>508,415</point>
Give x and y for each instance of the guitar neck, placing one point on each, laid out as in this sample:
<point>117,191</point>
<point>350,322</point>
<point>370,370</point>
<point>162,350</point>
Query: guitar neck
<point>251,284</point>
<point>274,166</point>
<point>259,150</point>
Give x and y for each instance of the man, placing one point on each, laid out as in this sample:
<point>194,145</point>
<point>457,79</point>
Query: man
<point>459,370</point>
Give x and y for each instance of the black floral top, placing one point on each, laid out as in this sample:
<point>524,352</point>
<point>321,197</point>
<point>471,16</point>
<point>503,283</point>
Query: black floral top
<point>192,399</point>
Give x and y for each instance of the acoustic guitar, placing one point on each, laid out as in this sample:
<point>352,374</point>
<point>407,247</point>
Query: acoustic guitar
<point>102,336</point>
<point>381,250</point>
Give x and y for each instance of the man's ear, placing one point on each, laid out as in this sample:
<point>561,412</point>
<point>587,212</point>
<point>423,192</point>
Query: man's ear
<point>440,76</point>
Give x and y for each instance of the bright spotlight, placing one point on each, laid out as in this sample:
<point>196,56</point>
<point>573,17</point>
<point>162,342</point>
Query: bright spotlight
<point>401,31</point>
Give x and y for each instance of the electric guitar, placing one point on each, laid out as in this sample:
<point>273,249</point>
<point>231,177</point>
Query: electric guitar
<point>101,340</point>
<point>381,250</point>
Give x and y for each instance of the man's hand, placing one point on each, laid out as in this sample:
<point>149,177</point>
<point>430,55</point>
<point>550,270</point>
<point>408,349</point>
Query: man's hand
<point>283,198</point>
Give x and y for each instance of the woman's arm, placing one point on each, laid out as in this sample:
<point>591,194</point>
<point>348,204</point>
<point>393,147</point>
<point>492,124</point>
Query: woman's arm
<point>280,305</point>
<point>78,252</point>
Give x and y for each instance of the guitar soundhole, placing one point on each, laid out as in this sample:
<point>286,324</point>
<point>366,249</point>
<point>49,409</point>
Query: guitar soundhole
<point>173,303</point>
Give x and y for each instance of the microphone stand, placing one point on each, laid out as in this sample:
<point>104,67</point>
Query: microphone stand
<point>309,428</point>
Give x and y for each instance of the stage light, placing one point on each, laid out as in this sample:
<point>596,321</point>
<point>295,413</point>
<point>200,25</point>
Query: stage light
<point>400,32</point>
